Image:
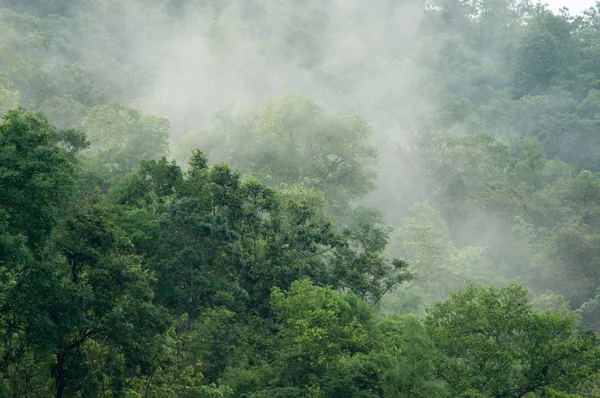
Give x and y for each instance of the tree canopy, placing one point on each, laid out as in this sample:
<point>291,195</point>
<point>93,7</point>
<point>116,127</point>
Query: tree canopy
<point>299,199</point>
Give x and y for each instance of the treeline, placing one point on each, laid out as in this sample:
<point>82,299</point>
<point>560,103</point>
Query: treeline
<point>509,68</point>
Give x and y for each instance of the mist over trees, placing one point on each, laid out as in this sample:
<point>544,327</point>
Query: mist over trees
<point>394,198</point>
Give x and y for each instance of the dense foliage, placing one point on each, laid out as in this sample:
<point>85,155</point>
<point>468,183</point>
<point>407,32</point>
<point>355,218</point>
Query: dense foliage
<point>419,218</point>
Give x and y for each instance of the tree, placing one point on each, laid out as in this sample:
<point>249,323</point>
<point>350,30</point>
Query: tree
<point>494,344</point>
<point>332,344</point>
<point>36,181</point>
<point>152,185</point>
<point>89,288</point>
<point>361,264</point>
<point>291,140</point>
<point>122,137</point>
<point>35,173</point>
<point>240,236</point>
<point>317,326</point>
<point>437,265</point>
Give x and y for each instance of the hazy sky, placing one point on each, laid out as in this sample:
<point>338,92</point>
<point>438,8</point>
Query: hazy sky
<point>575,6</point>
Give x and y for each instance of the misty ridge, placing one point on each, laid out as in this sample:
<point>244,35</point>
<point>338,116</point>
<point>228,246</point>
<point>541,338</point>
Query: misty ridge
<point>394,198</point>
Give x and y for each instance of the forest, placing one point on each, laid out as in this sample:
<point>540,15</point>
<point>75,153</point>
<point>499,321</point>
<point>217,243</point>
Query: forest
<point>316,198</point>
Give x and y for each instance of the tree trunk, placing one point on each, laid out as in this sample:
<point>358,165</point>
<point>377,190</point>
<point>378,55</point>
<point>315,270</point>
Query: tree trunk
<point>59,375</point>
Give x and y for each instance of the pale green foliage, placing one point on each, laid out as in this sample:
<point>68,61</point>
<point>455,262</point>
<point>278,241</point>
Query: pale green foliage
<point>122,137</point>
<point>310,198</point>
<point>556,303</point>
<point>63,111</point>
<point>591,308</point>
<point>292,140</point>
<point>15,64</point>
<point>438,265</point>
<point>8,100</point>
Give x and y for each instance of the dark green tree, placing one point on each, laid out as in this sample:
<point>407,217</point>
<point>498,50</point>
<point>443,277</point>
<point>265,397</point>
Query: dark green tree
<point>89,288</point>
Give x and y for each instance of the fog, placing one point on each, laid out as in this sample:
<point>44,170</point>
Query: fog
<point>409,68</point>
<point>574,6</point>
<point>356,62</point>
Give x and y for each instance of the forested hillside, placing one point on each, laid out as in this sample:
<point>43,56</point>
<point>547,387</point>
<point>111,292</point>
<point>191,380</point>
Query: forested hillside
<point>218,198</point>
